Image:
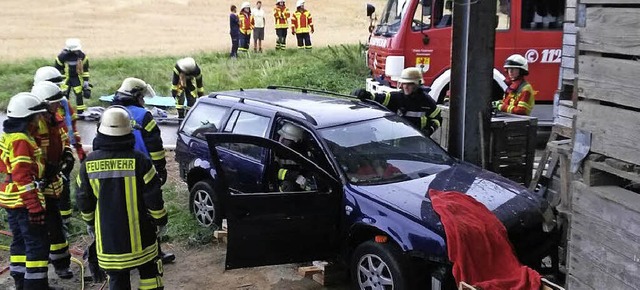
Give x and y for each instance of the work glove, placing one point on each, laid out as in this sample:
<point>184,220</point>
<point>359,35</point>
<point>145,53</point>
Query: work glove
<point>496,105</point>
<point>312,30</point>
<point>162,174</point>
<point>67,161</point>
<point>80,151</point>
<point>86,90</point>
<point>362,94</point>
<point>91,231</point>
<point>34,207</point>
<point>293,31</point>
<point>161,231</point>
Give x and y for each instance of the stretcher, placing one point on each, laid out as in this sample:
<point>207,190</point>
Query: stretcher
<point>157,105</point>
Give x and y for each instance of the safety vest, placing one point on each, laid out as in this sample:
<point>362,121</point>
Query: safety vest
<point>520,100</point>
<point>246,23</point>
<point>301,22</point>
<point>22,162</point>
<point>281,15</point>
<point>137,116</point>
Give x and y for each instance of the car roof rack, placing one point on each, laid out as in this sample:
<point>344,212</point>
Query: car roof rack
<point>305,91</point>
<point>308,117</point>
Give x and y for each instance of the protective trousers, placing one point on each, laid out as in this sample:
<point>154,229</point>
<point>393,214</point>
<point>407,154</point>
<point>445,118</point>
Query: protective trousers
<point>281,42</point>
<point>191,96</point>
<point>65,205</point>
<point>150,277</point>
<point>75,86</point>
<point>29,250</point>
<point>304,40</point>
<point>59,247</point>
<point>245,40</point>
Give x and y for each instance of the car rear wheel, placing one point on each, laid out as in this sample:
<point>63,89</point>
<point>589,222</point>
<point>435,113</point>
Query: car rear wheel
<point>204,205</point>
<point>379,266</point>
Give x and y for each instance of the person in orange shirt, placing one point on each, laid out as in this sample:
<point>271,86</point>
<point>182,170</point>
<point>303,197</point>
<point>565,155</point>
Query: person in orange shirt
<point>281,15</point>
<point>302,25</point>
<point>246,26</point>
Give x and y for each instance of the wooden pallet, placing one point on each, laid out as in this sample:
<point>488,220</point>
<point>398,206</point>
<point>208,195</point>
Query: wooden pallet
<point>221,235</point>
<point>325,273</point>
<point>512,141</point>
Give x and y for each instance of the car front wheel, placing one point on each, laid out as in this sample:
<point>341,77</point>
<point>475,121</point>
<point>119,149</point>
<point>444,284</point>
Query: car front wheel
<point>204,205</point>
<point>379,266</point>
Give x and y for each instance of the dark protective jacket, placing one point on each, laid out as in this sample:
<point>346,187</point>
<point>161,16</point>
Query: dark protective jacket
<point>192,83</point>
<point>74,66</point>
<point>119,192</point>
<point>234,25</point>
<point>418,108</point>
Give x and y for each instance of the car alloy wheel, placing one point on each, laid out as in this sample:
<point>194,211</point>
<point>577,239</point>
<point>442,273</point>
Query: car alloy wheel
<point>204,204</point>
<point>374,273</point>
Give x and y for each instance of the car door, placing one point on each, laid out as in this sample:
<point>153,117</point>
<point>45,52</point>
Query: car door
<point>270,228</point>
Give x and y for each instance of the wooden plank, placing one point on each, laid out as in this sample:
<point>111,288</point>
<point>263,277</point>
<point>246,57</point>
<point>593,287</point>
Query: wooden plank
<point>611,30</point>
<point>569,39</point>
<point>610,79</point>
<point>563,121</point>
<point>590,271</point>
<point>568,112</point>
<point>614,131</point>
<point>566,103</point>
<point>569,51</point>
<point>608,2</point>
<point>307,271</point>
<point>568,62</point>
<point>574,283</point>
<point>570,15</point>
<point>612,204</point>
<point>629,175</point>
<point>569,28</point>
<point>568,74</point>
<point>571,4</point>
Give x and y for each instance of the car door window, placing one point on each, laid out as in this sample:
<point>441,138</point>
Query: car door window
<point>204,118</point>
<point>246,123</point>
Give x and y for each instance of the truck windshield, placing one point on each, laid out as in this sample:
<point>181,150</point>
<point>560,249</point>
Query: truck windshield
<point>384,150</point>
<point>391,17</point>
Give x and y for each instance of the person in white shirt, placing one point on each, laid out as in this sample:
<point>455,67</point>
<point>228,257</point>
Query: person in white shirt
<point>258,30</point>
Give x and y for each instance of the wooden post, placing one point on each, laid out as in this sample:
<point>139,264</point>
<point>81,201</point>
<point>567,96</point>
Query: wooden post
<point>473,46</point>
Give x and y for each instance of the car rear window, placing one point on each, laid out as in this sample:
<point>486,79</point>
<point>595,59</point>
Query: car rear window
<point>204,118</point>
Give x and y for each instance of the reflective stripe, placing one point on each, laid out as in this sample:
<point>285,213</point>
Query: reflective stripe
<point>66,212</point>
<point>124,261</point>
<point>56,247</point>
<point>281,174</point>
<point>111,174</point>
<point>524,104</point>
<point>158,155</point>
<point>510,108</point>
<point>435,113</point>
<point>415,114</point>
<point>131,196</point>
<point>88,217</point>
<point>387,98</point>
<point>55,257</point>
<point>151,283</point>
<point>149,175</point>
<point>436,122</point>
<point>152,124</point>
<point>158,214</point>
<point>37,264</point>
<point>423,122</point>
<point>18,258</point>
<point>35,276</point>
<point>17,269</point>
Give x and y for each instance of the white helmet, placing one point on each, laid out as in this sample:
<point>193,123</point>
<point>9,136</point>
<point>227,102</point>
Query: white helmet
<point>517,61</point>
<point>24,105</point>
<point>72,44</point>
<point>411,75</point>
<point>115,121</point>
<point>245,5</point>
<point>135,88</point>
<point>48,73</point>
<point>300,3</point>
<point>279,1</point>
<point>291,132</point>
<point>47,91</point>
<point>188,64</point>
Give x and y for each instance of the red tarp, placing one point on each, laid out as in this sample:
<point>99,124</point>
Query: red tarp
<point>478,245</point>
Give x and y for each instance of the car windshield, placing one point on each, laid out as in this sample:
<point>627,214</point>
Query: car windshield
<point>391,17</point>
<point>384,150</point>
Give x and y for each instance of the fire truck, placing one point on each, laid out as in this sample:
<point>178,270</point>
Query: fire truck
<point>418,33</point>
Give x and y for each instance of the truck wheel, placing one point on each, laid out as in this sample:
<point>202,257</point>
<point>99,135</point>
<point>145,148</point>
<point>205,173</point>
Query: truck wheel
<point>379,266</point>
<point>203,203</point>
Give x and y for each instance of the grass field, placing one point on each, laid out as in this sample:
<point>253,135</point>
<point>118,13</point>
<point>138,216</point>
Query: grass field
<point>338,68</point>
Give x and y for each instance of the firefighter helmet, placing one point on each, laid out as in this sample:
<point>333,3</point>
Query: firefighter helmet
<point>279,1</point>
<point>291,132</point>
<point>47,91</point>
<point>411,75</point>
<point>245,5</point>
<point>300,3</point>
<point>517,61</point>
<point>187,64</point>
<point>23,105</point>
<point>48,73</point>
<point>115,121</point>
<point>134,88</point>
<point>72,44</point>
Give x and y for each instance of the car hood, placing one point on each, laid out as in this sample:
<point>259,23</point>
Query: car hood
<point>513,204</point>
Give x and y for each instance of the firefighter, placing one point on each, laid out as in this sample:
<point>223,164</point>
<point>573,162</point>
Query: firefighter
<point>519,97</point>
<point>413,103</point>
<point>74,65</point>
<point>120,198</point>
<point>186,83</point>
<point>53,140</point>
<point>246,26</point>
<point>302,25</point>
<point>49,73</point>
<point>290,176</point>
<point>22,163</point>
<point>281,15</point>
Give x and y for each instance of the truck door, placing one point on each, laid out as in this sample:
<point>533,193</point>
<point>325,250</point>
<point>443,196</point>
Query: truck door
<point>268,228</point>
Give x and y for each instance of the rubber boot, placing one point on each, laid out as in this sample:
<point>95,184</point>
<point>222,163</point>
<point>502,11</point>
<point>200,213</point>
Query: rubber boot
<point>19,281</point>
<point>166,258</point>
<point>181,113</point>
<point>98,275</point>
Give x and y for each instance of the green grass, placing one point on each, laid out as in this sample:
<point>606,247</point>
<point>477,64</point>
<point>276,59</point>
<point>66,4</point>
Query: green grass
<point>338,68</point>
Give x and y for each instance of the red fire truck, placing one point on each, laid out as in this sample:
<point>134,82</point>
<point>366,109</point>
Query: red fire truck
<point>418,33</point>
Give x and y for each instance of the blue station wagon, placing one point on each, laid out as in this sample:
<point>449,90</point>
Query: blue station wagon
<point>366,206</point>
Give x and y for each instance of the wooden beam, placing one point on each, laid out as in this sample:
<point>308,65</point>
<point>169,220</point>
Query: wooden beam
<point>609,79</point>
<point>611,30</point>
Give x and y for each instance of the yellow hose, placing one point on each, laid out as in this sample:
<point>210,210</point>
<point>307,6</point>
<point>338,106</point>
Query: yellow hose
<point>75,260</point>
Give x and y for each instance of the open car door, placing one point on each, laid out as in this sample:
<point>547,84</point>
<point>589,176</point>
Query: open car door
<point>269,228</point>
